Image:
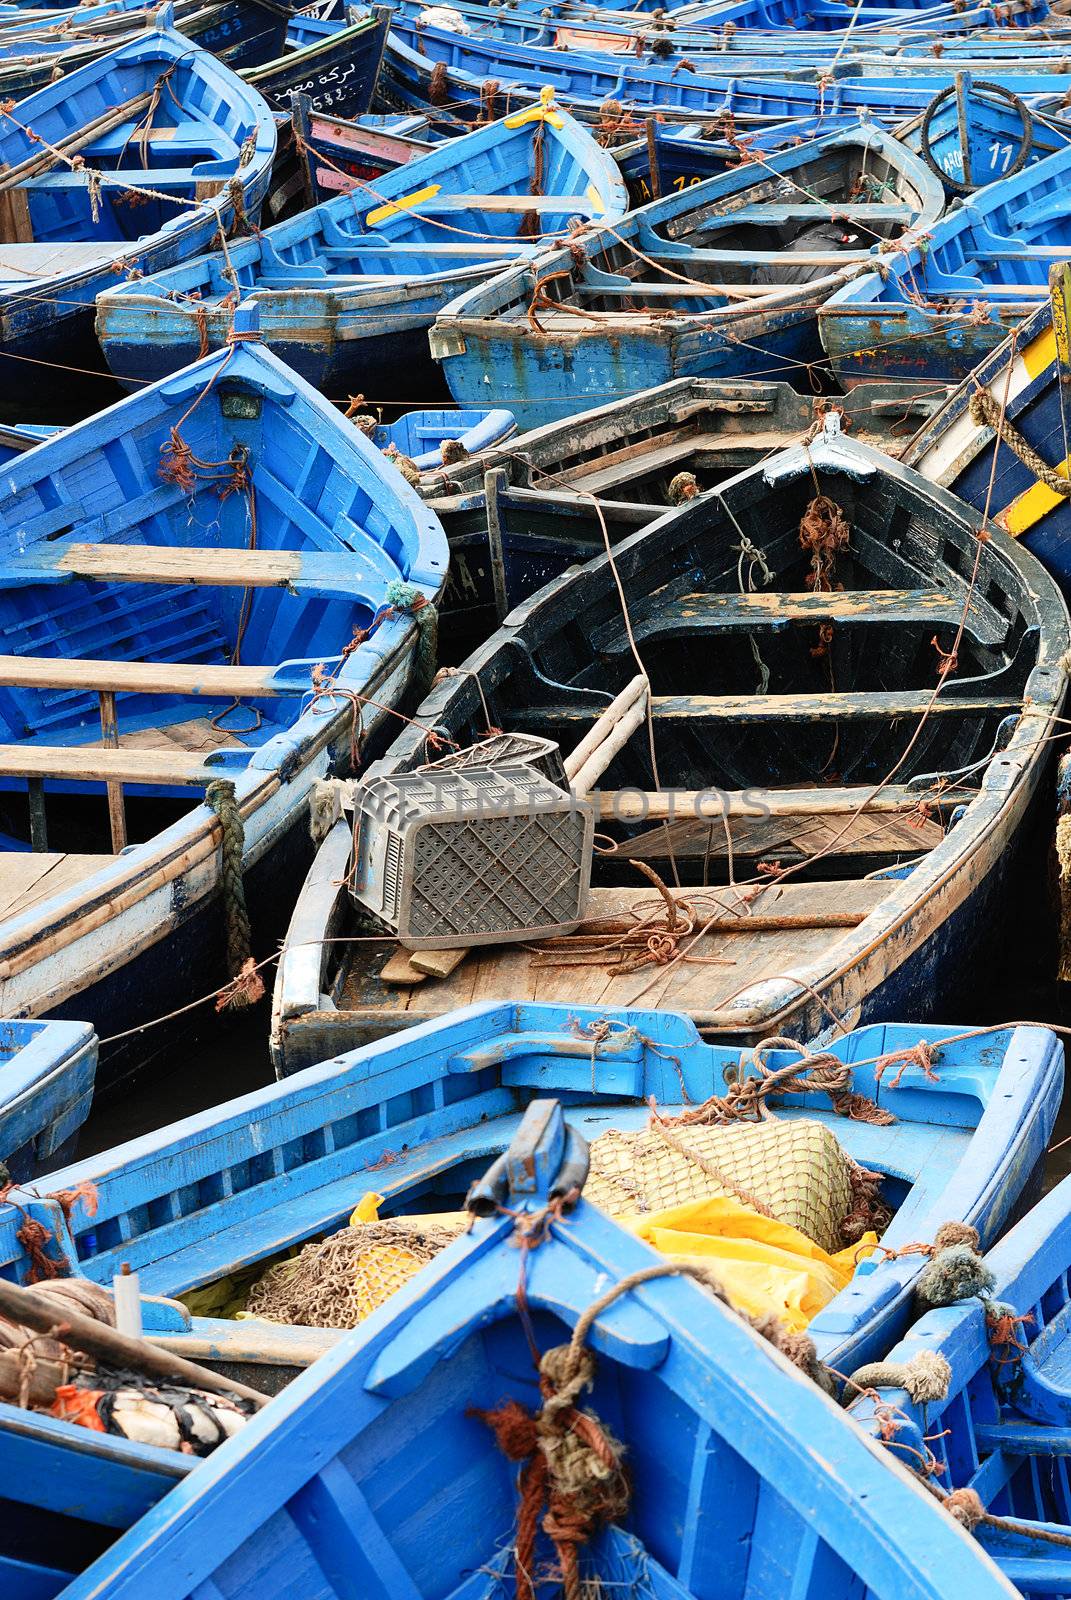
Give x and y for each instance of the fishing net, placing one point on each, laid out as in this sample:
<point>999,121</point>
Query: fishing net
<point>341,1280</point>
<point>793,1171</point>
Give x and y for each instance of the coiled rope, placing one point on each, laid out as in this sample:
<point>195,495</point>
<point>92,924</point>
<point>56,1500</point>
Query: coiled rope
<point>987,412</point>
<point>247,986</point>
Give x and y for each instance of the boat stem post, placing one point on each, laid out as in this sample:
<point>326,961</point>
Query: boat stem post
<point>109,727</point>
<point>38,822</point>
<point>494,484</point>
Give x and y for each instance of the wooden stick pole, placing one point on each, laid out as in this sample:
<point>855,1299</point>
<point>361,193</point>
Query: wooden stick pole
<point>109,728</point>
<point>584,780</point>
<point>604,722</point>
<point>27,1308</point>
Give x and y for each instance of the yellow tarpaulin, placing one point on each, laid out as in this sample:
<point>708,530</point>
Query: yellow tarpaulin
<point>763,1265</point>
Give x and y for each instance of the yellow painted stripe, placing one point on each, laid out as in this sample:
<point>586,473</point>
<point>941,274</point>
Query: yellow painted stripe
<point>596,199</point>
<point>406,203</point>
<point>1033,504</point>
<point>1040,353</point>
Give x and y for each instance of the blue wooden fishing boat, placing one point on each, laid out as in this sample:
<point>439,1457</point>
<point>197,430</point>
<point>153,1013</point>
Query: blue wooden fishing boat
<point>133,162</point>
<point>47,1071</point>
<point>417,1116</point>
<point>673,38</point>
<point>994,1441</point>
<point>336,69</point>
<point>974,134</point>
<point>240,32</point>
<point>718,280</point>
<point>336,151</point>
<point>472,77</point>
<point>936,311</point>
<point>1005,422</point>
<point>739,1467</point>
<point>433,439</point>
<point>348,290</point>
<point>537,514</point>
<point>863,898</point>
<point>187,576</point>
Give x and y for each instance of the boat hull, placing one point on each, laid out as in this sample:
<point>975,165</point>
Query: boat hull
<point>909,342</point>
<point>336,74</point>
<point>550,377</point>
<point>47,1073</point>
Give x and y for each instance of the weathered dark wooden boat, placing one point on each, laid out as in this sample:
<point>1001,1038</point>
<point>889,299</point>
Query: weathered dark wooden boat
<point>239,32</point>
<point>554,488</point>
<point>407,1493</point>
<point>347,291</point>
<point>935,312</point>
<point>47,1072</point>
<point>995,1440</point>
<point>335,71</point>
<point>719,280</point>
<point>163,637</point>
<point>810,750</point>
<point>107,174</point>
<point>418,1116</point>
<point>673,156</point>
<point>336,152</point>
<point>1001,442</point>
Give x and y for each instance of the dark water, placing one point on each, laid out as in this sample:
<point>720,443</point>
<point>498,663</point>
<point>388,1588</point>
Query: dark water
<point>225,1057</point>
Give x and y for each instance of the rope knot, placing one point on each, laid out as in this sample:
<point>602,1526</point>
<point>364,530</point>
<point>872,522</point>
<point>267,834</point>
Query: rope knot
<point>955,1271</point>
<point>925,1377</point>
<point>685,486</point>
<point>922,1055</point>
<point>966,1506</point>
<point>572,1466</point>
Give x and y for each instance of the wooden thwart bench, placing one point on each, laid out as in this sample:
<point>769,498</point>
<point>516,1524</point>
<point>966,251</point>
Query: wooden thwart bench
<point>96,764</point>
<point>148,677</point>
<point>930,607</point>
<point>683,804</point>
<point>145,563</point>
<point>792,707</point>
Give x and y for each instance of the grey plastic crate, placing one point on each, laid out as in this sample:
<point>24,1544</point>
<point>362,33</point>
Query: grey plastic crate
<point>454,858</point>
<point>506,750</point>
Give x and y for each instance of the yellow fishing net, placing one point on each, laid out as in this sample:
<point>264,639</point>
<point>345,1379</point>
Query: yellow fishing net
<point>793,1171</point>
<point>339,1281</point>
